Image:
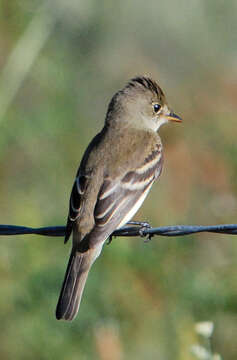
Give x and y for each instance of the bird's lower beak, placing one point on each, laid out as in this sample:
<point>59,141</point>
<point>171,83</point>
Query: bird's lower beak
<point>173,117</point>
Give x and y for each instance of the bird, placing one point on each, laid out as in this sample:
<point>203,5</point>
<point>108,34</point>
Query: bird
<point>115,175</point>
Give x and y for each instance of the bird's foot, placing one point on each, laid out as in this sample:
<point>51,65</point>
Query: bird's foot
<point>143,233</point>
<point>143,226</point>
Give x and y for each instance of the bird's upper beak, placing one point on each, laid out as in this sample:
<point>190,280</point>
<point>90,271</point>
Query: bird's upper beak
<point>173,117</point>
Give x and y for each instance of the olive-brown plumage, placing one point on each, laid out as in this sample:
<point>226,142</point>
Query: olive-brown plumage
<point>115,175</point>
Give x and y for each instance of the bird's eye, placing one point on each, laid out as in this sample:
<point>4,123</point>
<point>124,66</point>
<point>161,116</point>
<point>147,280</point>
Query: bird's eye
<point>156,107</point>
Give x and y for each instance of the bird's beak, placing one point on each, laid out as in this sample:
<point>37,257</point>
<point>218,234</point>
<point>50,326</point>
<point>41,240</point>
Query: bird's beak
<point>173,117</point>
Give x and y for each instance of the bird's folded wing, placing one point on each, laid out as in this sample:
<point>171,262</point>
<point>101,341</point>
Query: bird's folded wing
<point>119,199</point>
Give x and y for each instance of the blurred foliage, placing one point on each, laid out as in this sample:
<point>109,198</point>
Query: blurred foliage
<point>141,300</point>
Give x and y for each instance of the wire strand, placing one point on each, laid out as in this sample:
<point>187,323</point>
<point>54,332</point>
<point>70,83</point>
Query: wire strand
<point>136,229</point>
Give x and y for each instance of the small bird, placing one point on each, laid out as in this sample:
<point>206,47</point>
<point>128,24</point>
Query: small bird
<point>115,175</point>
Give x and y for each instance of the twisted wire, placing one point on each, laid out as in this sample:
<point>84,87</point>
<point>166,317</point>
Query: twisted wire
<point>136,229</point>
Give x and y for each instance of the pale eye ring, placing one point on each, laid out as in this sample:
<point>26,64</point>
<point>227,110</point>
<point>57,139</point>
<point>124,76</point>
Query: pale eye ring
<point>156,107</point>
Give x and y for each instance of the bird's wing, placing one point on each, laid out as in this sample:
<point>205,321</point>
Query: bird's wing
<point>119,199</point>
<point>81,183</point>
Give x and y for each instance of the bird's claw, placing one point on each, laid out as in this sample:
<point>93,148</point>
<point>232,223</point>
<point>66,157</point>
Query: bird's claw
<point>142,230</point>
<point>142,233</point>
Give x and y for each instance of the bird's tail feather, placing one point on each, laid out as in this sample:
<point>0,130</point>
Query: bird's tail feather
<point>75,278</point>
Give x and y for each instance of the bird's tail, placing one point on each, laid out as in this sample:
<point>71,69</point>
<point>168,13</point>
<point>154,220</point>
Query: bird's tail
<point>75,278</point>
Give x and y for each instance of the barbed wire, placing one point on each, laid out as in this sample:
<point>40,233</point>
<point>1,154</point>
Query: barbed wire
<point>141,229</point>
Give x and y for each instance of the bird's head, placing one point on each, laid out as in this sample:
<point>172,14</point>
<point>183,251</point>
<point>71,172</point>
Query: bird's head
<point>141,103</point>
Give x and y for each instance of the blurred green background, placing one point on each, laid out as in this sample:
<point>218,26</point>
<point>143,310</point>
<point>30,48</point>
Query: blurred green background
<point>61,61</point>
